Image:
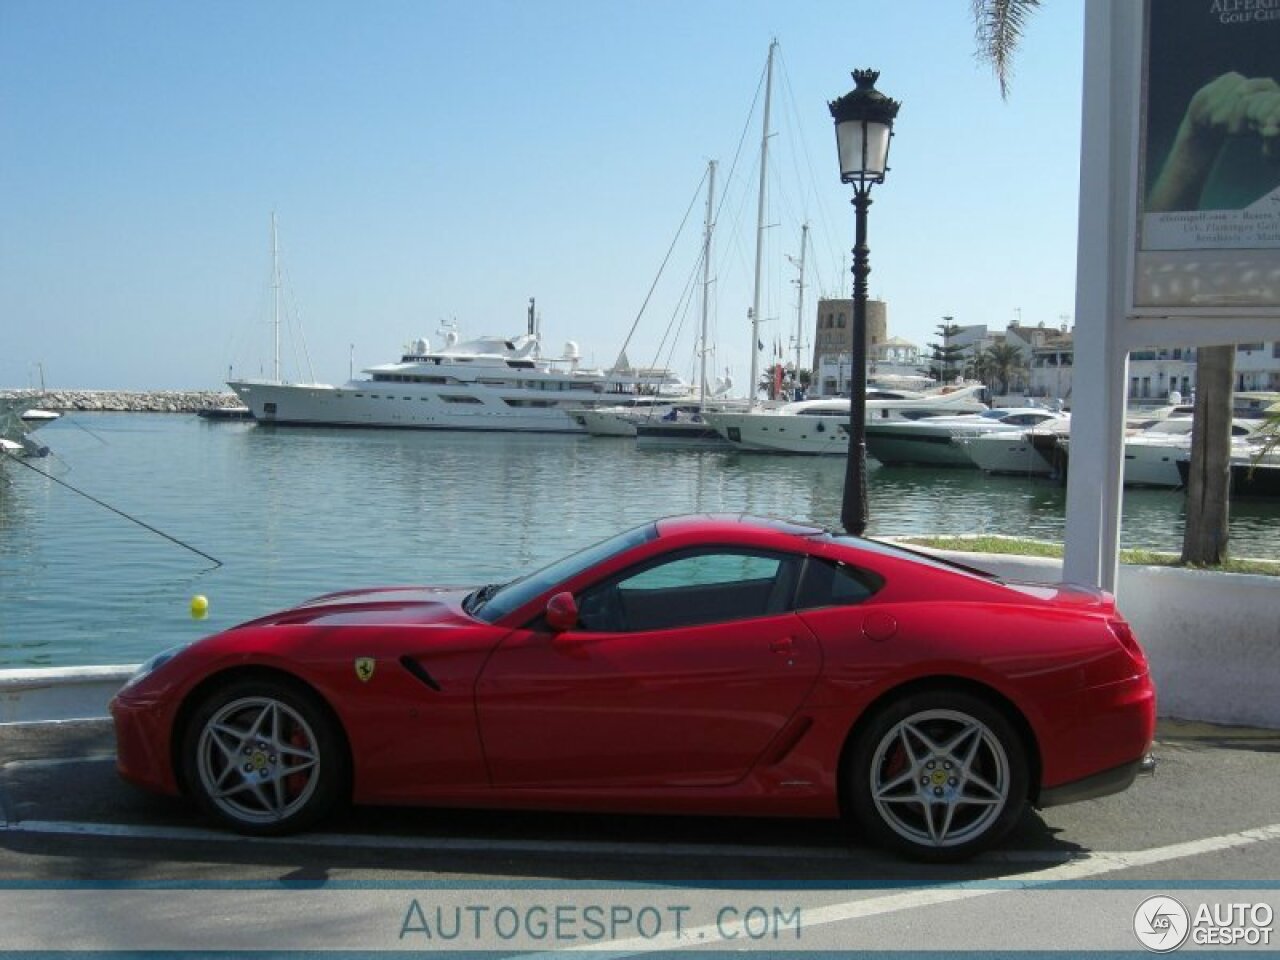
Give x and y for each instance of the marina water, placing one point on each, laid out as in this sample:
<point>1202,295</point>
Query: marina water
<point>295,512</point>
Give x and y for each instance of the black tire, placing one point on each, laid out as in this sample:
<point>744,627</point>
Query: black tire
<point>937,776</point>
<point>264,757</point>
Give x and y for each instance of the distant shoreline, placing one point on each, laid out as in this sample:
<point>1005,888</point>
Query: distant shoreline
<point>129,401</point>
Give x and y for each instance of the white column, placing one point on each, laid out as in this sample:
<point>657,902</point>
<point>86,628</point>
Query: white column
<point>1107,180</point>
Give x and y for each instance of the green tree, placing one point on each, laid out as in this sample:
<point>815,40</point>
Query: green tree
<point>946,361</point>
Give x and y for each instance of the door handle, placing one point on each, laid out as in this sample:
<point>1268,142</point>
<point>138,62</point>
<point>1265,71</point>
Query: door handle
<point>784,645</point>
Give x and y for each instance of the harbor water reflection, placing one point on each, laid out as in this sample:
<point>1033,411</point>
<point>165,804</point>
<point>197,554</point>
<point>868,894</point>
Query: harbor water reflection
<point>293,512</point>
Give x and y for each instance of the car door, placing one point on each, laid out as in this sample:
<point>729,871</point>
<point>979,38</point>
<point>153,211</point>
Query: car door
<point>680,673</point>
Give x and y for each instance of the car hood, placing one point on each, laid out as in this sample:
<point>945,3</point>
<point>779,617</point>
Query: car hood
<point>380,606</point>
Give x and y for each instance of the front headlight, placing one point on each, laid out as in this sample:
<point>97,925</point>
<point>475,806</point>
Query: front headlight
<point>153,664</point>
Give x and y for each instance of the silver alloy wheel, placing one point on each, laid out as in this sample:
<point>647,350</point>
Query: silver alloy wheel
<point>258,760</point>
<point>940,778</point>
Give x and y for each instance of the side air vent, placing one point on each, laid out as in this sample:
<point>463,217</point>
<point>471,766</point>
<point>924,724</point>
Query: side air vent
<point>419,671</point>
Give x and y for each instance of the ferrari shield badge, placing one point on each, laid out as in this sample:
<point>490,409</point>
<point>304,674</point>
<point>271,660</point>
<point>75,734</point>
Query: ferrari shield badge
<point>364,668</point>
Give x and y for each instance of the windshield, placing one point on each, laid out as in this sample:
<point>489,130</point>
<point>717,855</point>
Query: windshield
<point>519,592</point>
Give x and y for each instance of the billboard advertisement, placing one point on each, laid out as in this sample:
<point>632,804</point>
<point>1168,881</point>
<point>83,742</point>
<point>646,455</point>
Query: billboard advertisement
<point>1208,237</point>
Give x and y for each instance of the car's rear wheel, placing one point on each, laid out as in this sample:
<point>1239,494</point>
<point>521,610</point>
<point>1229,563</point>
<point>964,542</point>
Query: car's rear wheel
<point>938,775</point>
<point>264,757</point>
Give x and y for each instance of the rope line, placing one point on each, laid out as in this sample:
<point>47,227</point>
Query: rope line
<point>48,476</point>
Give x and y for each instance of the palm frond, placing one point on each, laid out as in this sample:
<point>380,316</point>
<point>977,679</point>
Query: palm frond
<point>1269,433</point>
<point>998,26</point>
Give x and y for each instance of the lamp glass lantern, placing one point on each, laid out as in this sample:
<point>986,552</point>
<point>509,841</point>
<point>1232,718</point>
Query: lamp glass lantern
<point>864,127</point>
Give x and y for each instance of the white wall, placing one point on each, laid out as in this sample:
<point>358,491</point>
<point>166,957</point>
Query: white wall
<point>1213,639</point>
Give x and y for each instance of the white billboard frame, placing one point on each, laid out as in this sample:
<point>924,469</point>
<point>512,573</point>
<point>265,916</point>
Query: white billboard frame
<point>1108,325</point>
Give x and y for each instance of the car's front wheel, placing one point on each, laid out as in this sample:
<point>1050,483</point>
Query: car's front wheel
<point>264,757</point>
<point>938,775</point>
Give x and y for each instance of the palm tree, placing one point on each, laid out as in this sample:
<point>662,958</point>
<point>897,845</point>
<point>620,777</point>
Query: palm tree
<point>1269,432</point>
<point>998,26</point>
<point>978,367</point>
<point>1004,363</point>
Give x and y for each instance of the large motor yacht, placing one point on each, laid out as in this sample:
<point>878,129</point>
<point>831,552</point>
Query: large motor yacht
<point>490,383</point>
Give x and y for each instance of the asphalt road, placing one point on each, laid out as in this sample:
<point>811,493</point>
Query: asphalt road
<point>1209,817</point>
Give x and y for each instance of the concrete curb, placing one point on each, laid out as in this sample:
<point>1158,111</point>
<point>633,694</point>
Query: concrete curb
<point>42,694</point>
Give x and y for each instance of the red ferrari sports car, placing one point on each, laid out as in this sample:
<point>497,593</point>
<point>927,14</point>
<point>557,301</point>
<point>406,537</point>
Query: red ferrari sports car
<point>707,664</point>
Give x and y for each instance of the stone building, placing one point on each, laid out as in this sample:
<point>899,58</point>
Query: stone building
<point>831,342</point>
<point>835,320</point>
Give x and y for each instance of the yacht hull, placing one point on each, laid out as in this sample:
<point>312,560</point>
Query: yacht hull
<point>408,406</point>
<point>915,446</point>
<point>1154,464</point>
<point>604,423</point>
<point>811,436</point>
<point>1011,454</point>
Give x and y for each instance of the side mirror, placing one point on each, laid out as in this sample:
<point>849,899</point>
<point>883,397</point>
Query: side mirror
<point>562,612</point>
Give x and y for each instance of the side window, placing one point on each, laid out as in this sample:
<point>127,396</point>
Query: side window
<point>706,586</point>
<point>704,570</point>
<point>827,583</point>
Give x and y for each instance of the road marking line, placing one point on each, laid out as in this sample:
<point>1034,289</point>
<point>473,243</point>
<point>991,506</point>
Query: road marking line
<point>45,762</point>
<point>1093,865</point>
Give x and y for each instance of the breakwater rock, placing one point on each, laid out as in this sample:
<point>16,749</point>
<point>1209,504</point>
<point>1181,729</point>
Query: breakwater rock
<point>130,401</point>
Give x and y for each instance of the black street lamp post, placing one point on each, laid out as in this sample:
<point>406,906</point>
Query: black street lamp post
<point>864,125</point>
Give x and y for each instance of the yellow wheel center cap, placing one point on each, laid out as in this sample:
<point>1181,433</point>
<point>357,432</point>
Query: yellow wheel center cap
<point>939,778</point>
<point>259,760</point>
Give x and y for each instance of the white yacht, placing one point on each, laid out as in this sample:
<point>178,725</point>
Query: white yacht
<point>821,427</point>
<point>1014,452</point>
<point>490,383</point>
<point>620,419</point>
<point>936,441</point>
<point>1151,456</point>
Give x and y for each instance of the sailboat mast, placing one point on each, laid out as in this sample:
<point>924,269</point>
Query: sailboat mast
<point>706,280</point>
<point>275,284</point>
<point>760,227</point>
<point>804,243</point>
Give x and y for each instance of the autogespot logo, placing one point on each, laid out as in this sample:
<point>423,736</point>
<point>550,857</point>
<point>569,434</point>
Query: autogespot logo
<point>1161,924</point>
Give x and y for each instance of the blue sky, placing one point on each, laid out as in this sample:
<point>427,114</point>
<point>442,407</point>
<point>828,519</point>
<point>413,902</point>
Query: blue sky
<point>431,161</point>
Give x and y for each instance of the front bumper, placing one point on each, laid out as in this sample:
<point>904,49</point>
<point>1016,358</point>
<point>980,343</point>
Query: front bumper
<point>143,754</point>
